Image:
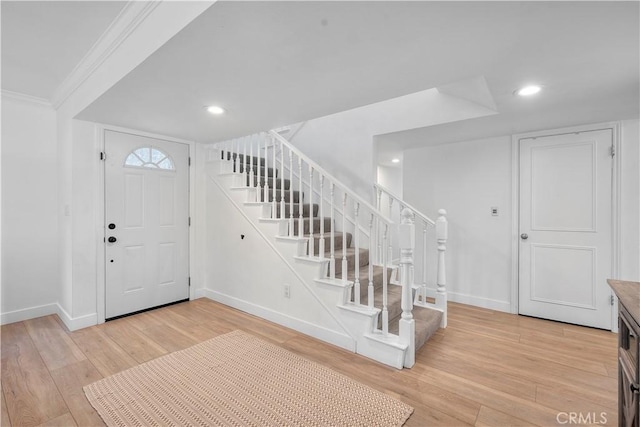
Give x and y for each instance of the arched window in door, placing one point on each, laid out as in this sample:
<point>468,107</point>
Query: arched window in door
<point>149,157</point>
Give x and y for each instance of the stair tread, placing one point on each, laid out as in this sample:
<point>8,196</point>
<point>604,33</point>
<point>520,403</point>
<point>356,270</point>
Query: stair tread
<point>427,322</point>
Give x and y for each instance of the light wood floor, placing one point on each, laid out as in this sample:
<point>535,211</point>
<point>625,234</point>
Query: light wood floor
<point>486,368</point>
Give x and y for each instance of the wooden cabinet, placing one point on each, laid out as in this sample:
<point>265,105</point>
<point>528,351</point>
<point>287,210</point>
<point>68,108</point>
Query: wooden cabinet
<point>628,352</point>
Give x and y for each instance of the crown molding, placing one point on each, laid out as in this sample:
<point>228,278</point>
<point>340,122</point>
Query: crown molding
<point>25,98</point>
<point>129,18</point>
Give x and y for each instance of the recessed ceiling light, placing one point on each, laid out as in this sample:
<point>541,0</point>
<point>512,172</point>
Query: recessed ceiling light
<point>395,160</point>
<point>214,109</point>
<point>528,90</point>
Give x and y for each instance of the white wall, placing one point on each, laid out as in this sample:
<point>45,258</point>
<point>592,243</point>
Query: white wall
<point>630,201</point>
<point>391,178</point>
<point>467,179</point>
<point>86,169</point>
<point>343,143</point>
<point>29,210</point>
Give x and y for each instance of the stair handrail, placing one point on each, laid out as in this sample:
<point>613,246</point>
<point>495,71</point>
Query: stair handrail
<point>335,180</point>
<point>416,212</point>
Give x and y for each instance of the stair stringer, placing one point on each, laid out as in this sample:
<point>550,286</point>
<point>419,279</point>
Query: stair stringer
<point>357,321</point>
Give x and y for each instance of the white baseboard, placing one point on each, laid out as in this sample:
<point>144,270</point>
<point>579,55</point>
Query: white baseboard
<point>75,323</point>
<point>489,303</point>
<point>29,313</point>
<point>72,323</point>
<point>327,335</point>
<point>199,293</point>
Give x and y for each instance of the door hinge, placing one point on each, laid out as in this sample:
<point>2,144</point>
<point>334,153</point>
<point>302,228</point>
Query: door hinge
<point>612,299</point>
<point>189,281</point>
<point>189,160</point>
<point>189,221</point>
<point>612,151</point>
<point>103,155</point>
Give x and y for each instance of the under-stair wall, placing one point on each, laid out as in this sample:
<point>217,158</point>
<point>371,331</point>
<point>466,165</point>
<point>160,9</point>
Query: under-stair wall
<point>308,228</point>
<point>245,270</point>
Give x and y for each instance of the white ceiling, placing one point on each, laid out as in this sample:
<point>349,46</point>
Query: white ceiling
<point>42,41</point>
<point>276,63</point>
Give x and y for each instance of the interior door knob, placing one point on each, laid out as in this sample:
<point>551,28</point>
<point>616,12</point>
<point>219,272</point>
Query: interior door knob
<point>524,236</point>
<point>112,239</point>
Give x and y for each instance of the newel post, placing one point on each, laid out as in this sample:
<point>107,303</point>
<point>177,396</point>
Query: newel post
<point>407,242</point>
<point>441,236</point>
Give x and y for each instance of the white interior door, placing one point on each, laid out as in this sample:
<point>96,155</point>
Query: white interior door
<point>566,229</point>
<point>146,222</point>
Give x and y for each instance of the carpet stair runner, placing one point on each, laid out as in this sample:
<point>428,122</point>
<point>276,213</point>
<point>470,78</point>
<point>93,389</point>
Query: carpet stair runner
<point>427,321</point>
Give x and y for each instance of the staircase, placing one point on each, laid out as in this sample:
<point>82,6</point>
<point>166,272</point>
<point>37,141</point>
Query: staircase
<point>347,240</point>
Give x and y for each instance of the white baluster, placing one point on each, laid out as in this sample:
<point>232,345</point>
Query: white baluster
<point>332,260</point>
<point>311,239</point>
<point>356,234</point>
<point>370,288</point>
<point>251,169</point>
<point>390,248</point>
<point>406,241</point>
<point>400,209</point>
<point>265,185</point>
<point>423,288</point>
<point>385,312</point>
<point>300,218</point>
<point>379,254</point>
<point>259,167</point>
<point>235,157</point>
<point>321,247</point>
<point>344,237</point>
<point>274,203</point>
<point>291,220</point>
<point>282,206</point>
<point>441,236</point>
<point>244,161</point>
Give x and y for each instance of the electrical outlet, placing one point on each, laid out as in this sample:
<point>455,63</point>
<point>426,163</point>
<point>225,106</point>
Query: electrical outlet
<point>494,211</point>
<point>287,291</point>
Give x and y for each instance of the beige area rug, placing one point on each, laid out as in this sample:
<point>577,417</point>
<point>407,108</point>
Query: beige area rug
<point>237,379</point>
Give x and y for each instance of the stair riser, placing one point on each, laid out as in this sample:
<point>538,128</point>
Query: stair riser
<point>287,196</point>
<point>337,245</point>
<point>296,210</point>
<point>337,242</point>
<point>240,158</point>
<point>247,169</point>
<point>287,183</point>
<point>364,277</point>
<point>316,226</point>
<point>363,262</point>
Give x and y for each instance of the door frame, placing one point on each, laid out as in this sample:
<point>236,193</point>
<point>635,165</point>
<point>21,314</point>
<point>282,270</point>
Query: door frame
<point>615,205</point>
<point>101,269</point>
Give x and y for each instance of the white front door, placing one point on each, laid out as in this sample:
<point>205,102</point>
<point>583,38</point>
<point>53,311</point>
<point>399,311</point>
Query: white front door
<point>565,227</point>
<point>146,222</point>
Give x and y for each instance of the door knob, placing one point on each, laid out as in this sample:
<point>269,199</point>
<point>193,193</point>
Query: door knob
<point>112,239</point>
<point>524,236</point>
<point>112,226</point>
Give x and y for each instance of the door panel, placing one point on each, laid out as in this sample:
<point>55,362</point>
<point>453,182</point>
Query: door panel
<point>147,198</point>
<point>565,227</point>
